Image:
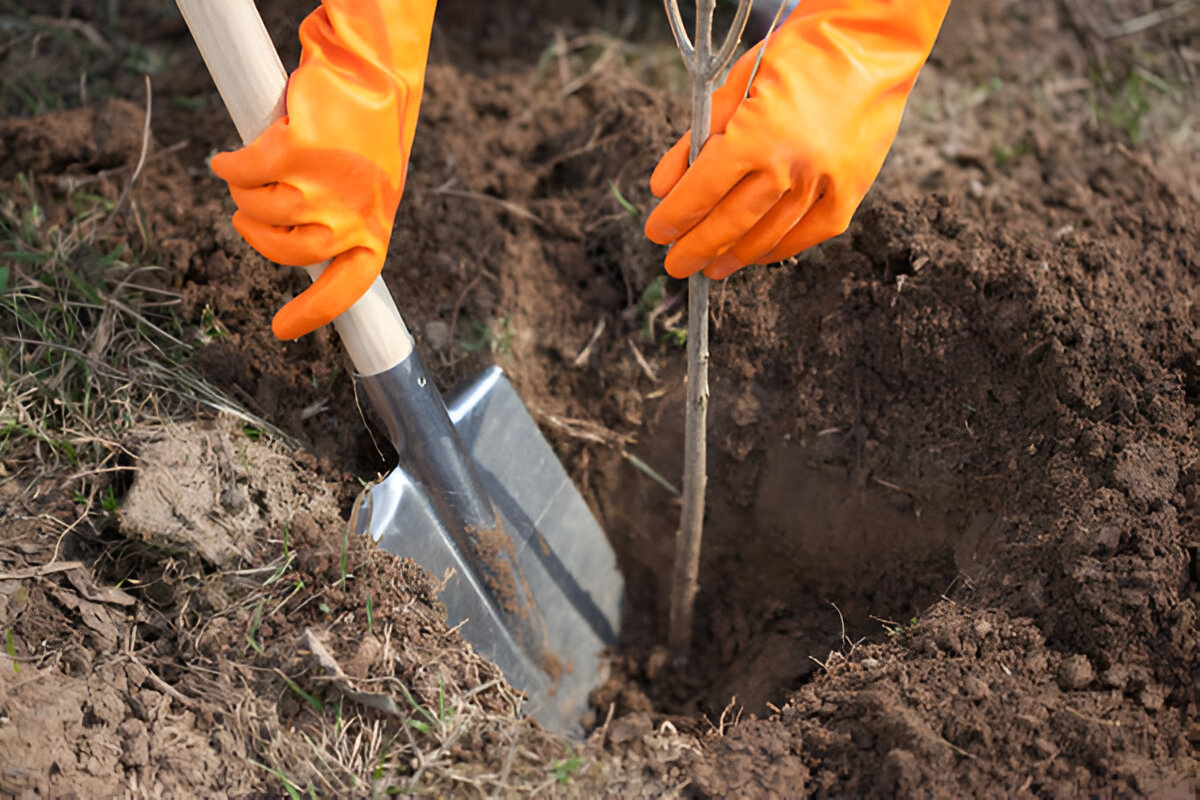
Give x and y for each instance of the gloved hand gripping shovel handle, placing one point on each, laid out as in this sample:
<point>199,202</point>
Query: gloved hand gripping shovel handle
<point>251,80</point>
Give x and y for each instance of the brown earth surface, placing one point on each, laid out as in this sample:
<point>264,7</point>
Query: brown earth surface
<point>951,542</point>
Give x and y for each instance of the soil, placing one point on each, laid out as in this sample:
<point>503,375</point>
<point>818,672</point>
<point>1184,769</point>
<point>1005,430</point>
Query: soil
<point>951,538</point>
<point>189,683</point>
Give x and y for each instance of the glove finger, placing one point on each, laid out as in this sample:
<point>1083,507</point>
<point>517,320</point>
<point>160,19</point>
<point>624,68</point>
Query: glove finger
<point>828,217</point>
<point>736,213</point>
<point>671,167</point>
<point>258,163</point>
<point>713,174</point>
<point>766,234</point>
<point>277,204</point>
<point>725,102</point>
<point>732,92</point>
<point>340,286</point>
<point>297,246</point>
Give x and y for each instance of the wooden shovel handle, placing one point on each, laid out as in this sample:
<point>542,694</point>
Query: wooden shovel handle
<point>246,68</point>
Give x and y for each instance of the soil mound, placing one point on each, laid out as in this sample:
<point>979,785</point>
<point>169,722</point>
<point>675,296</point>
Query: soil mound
<point>951,538</point>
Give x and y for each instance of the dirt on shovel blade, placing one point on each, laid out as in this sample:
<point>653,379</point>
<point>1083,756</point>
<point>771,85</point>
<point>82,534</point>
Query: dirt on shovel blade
<point>951,539</point>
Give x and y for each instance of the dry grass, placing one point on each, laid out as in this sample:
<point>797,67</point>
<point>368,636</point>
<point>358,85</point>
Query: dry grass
<point>90,341</point>
<point>323,663</point>
<point>345,681</point>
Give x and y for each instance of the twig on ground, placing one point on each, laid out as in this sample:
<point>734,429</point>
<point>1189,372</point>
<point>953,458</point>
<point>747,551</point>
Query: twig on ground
<point>1147,21</point>
<point>560,52</point>
<point>587,430</point>
<point>70,183</point>
<point>602,731</point>
<point>722,723</point>
<point>158,682</point>
<point>137,170</point>
<point>582,358</point>
<point>595,69</point>
<point>83,28</point>
<point>1109,723</point>
<point>513,208</point>
<point>39,571</point>
<point>642,362</point>
<point>458,304</point>
<point>167,688</point>
<point>650,472</point>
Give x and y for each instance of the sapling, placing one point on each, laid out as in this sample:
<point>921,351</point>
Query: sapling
<point>704,67</point>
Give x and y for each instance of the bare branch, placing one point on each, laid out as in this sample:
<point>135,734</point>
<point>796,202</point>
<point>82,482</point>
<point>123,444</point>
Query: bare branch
<point>732,39</point>
<point>766,40</point>
<point>682,40</point>
<point>703,39</point>
<point>137,170</point>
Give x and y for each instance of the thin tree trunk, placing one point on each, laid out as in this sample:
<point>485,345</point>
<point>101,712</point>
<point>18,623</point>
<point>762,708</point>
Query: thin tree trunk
<point>704,67</point>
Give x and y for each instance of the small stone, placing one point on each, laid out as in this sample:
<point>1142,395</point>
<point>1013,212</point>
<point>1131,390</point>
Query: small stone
<point>1107,538</point>
<point>902,771</point>
<point>135,743</point>
<point>135,673</point>
<point>657,662</point>
<point>1151,698</point>
<point>630,728</point>
<point>437,334</point>
<point>948,639</point>
<point>863,739</point>
<point>976,689</point>
<point>1044,747</point>
<point>1116,677</point>
<point>745,409</point>
<point>232,500</point>
<point>982,628</point>
<point>1075,672</point>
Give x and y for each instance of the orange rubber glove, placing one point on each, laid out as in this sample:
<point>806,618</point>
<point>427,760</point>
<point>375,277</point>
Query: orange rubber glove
<point>787,165</point>
<point>324,181</point>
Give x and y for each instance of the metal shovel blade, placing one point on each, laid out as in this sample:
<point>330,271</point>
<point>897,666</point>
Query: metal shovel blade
<point>478,495</point>
<point>572,591</point>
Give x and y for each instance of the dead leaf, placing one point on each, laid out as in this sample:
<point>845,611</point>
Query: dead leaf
<point>342,681</point>
<point>94,615</point>
<point>82,580</point>
<point>44,569</point>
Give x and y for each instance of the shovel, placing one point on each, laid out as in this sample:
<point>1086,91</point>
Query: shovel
<point>478,495</point>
